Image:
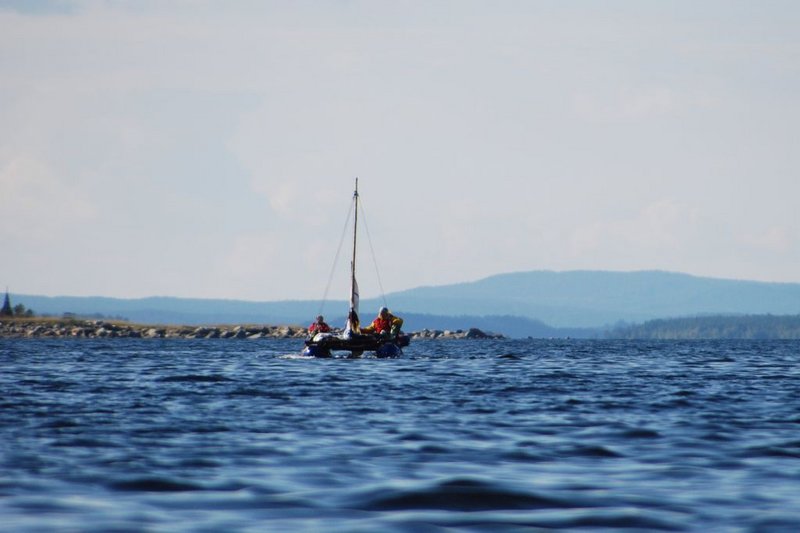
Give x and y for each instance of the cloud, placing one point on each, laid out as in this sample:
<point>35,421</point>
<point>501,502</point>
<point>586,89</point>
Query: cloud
<point>524,136</point>
<point>774,239</point>
<point>39,205</point>
<point>260,263</point>
<point>658,233</point>
<point>626,104</point>
<point>39,7</point>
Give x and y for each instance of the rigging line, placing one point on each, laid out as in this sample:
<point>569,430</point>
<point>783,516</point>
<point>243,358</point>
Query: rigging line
<point>372,252</point>
<point>336,259</point>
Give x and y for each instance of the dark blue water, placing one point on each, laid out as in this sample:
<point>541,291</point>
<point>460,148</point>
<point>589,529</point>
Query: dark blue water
<point>177,435</point>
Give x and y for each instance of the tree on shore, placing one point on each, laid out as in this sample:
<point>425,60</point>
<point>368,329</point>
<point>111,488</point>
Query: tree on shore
<point>6,310</point>
<point>20,310</point>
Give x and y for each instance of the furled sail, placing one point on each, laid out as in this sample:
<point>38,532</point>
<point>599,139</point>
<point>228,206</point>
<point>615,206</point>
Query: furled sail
<point>352,317</point>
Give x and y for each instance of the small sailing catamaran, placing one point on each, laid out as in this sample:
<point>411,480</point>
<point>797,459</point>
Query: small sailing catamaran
<point>352,339</point>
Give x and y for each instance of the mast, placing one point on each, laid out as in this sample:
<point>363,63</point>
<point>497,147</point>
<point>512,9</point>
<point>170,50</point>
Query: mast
<point>355,234</point>
<point>352,317</point>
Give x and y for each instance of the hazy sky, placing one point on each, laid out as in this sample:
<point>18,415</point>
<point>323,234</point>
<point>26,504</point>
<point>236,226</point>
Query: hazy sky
<point>209,149</point>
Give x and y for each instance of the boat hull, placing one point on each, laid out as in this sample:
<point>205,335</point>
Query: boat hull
<point>317,351</point>
<point>325,345</point>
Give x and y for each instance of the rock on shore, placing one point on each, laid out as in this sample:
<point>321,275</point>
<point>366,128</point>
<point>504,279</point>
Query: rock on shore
<point>102,329</point>
<point>471,333</point>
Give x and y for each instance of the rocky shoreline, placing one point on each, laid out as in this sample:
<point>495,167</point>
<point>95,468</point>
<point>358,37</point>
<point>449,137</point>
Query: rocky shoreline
<point>91,329</point>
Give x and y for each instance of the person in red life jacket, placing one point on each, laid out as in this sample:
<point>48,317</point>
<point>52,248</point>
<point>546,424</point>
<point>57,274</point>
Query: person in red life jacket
<point>319,327</point>
<point>385,324</point>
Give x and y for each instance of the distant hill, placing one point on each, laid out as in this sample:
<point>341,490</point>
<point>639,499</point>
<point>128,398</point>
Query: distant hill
<point>593,299</point>
<point>538,304</point>
<point>169,310</point>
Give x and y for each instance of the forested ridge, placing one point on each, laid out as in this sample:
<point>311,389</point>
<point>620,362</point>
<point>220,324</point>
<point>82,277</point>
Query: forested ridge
<point>714,327</point>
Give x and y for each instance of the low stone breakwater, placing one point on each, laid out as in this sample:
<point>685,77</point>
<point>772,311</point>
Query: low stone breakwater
<point>471,333</point>
<point>102,329</point>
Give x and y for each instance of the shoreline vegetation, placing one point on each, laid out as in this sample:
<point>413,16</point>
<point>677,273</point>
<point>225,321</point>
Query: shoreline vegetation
<point>44,327</point>
<point>749,327</point>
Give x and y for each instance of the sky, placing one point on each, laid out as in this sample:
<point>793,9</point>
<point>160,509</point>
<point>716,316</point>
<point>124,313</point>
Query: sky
<point>209,149</point>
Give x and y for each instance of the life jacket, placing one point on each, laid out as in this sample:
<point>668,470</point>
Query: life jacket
<point>319,328</point>
<point>383,324</point>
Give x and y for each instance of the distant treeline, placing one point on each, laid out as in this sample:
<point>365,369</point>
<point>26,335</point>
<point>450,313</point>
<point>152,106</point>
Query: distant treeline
<point>510,326</point>
<point>93,316</point>
<point>713,327</point>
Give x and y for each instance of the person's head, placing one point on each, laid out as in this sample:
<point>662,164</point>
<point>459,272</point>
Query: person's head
<point>320,320</point>
<point>382,312</point>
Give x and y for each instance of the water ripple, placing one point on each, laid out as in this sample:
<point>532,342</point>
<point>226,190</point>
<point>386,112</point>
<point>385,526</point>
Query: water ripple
<point>473,435</point>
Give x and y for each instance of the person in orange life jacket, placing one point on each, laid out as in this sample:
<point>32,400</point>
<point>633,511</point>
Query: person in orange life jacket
<point>319,326</point>
<point>386,324</point>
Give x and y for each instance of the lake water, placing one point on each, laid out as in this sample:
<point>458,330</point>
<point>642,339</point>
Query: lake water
<point>535,435</point>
